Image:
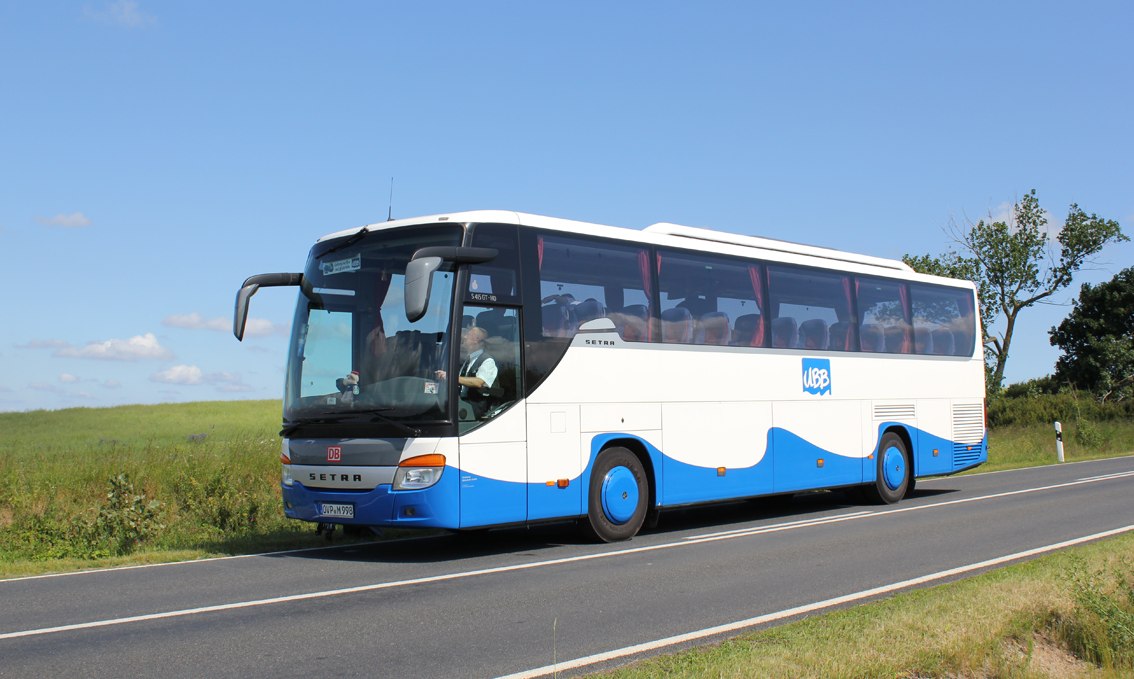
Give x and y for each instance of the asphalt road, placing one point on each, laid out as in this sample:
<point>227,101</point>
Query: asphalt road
<point>539,600</point>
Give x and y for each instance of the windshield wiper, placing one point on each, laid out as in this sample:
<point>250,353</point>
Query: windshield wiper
<point>355,417</point>
<point>377,416</point>
<point>346,243</point>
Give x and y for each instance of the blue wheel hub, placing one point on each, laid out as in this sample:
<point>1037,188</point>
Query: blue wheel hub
<point>619,495</point>
<point>893,468</point>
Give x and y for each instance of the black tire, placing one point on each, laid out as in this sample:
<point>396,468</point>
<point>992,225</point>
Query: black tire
<point>894,471</point>
<point>619,475</point>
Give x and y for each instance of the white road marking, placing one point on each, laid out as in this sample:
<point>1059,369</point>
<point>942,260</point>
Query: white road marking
<point>710,537</point>
<point>806,608</point>
<point>780,526</point>
<point>114,569</point>
<point>1117,475</point>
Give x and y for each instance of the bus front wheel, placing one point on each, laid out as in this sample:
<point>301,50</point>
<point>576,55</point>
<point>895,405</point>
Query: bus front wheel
<point>618,496</point>
<point>894,475</point>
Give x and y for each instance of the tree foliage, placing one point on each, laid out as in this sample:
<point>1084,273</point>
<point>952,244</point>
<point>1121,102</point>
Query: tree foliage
<point>1017,263</point>
<point>1097,339</point>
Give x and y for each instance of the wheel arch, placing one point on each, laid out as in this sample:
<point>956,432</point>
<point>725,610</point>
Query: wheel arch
<point>649,456</point>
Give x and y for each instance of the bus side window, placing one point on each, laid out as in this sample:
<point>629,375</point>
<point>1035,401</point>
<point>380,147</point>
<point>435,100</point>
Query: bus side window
<point>807,305</point>
<point>883,315</point>
<point>943,320</point>
<point>700,295</point>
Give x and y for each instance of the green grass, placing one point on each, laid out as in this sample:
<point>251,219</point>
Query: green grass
<point>1067,614</point>
<point>133,484</point>
<point>1029,445</point>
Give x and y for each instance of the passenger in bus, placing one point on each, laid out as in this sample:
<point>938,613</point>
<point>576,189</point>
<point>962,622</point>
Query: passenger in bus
<point>477,375</point>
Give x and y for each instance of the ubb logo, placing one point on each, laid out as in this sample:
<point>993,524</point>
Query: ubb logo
<point>817,376</point>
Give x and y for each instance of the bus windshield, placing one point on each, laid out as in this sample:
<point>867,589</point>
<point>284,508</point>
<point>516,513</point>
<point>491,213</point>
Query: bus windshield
<point>354,357</point>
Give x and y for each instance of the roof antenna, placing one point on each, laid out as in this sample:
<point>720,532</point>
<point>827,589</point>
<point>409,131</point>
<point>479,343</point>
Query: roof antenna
<point>390,212</point>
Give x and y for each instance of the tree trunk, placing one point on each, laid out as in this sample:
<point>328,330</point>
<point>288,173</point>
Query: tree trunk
<point>1002,355</point>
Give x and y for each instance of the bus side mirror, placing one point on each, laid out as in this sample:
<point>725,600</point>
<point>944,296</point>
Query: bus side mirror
<point>419,273</point>
<point>419,283</point>
<point>251,285</point>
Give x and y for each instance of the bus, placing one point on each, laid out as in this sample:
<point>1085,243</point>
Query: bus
<point>628,372</point>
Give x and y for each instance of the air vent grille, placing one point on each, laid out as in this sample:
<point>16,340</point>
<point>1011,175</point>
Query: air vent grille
<point>968,433</point>
<point>901,412</point>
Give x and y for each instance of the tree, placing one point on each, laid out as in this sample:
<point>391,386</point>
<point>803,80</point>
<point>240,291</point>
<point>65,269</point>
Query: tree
<point>1097,339</point>
<point>1017,264</point>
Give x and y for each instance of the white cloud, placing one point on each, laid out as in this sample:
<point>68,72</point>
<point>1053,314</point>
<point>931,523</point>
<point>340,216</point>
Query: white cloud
<point>68,378</point>
<point>196,321</point>
<point>137,347</point>
<point>256,327</point>
<point>227,382</point>
<point>111,384</point>
<point>125,13</point>
<point>179,374</point>
<point>43,344</point>
<point>75,220</point>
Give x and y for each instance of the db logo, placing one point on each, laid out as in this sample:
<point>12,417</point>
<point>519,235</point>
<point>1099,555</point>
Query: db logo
<point>334,454</point>
<point>817,376</point>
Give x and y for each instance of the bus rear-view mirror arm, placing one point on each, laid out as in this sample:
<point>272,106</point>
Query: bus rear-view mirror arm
<point>251,285</point>
<point>419,273</point>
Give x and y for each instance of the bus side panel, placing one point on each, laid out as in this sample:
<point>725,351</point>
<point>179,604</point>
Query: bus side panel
<point>715,451</point>
<point>934,453</point>
<point>493,462</point>
<point>816,444</point>
<point>554,453</point>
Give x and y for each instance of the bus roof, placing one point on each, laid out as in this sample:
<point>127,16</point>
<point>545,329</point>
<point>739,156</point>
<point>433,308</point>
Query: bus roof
<point>675,235</point>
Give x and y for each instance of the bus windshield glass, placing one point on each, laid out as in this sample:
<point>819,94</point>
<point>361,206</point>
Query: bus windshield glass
<point>354,357</point>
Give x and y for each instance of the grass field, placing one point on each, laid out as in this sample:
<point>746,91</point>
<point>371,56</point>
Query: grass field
<point>140,483</point>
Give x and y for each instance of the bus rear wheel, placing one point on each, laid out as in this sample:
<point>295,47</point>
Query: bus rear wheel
<point>618,496</point>
<point>894,475</point>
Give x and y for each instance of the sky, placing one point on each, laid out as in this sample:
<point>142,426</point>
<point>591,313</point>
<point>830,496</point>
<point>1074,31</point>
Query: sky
<point>155,154</point>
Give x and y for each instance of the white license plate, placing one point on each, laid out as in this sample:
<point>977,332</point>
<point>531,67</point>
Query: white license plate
<point>338,511</point>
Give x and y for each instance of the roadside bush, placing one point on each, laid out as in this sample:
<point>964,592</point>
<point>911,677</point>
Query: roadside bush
<point>219,500</point>
<point>126,520</point>
<point>1027,405</point>
<point>117,527</point>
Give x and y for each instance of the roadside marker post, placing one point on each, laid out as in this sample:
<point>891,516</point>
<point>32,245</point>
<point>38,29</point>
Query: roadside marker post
<point>1059,441</point>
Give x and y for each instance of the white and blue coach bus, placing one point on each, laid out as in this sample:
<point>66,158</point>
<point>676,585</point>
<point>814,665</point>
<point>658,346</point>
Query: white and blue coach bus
<point>633,371</point>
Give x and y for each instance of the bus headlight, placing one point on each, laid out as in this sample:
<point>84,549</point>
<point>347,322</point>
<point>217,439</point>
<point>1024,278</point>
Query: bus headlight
<point>287,479</point>
<point>419,472</point>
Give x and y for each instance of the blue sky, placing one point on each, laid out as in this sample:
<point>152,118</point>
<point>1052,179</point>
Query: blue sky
<point>154,154</point>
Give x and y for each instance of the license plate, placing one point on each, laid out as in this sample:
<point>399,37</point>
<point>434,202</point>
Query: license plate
<point>339,511</point>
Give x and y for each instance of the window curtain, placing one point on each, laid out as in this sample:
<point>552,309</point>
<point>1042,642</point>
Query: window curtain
<point>907,311</point>
<point>850,342</point>
<point>758,291</point>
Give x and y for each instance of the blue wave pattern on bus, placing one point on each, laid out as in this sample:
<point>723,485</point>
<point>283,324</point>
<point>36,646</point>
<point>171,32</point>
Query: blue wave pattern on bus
<point>793,467</point>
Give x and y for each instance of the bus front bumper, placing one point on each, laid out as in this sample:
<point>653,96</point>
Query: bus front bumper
<point>434,507</point>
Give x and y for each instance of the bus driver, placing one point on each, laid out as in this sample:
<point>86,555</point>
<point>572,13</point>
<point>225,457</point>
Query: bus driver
<point>478,372</point>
